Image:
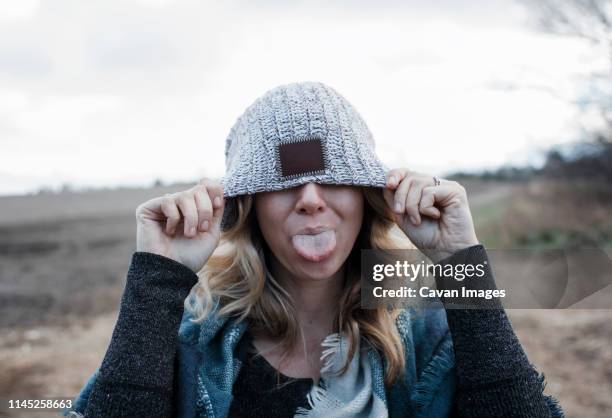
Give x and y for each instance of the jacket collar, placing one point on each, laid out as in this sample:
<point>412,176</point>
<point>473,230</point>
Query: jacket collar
<point>205,387</point>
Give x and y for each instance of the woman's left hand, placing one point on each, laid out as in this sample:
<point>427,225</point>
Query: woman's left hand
<point>436,219</point>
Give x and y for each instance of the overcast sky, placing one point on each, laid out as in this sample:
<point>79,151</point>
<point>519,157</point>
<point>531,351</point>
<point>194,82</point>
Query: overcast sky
<point>103,93</point>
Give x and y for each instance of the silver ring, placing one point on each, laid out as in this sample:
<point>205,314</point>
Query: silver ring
<point>436,181</point>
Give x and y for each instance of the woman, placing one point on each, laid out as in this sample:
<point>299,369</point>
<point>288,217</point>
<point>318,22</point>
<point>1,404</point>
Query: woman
<point>272,324</point>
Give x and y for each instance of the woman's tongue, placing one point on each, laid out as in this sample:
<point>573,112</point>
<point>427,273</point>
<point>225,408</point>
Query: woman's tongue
<point>314,247</point>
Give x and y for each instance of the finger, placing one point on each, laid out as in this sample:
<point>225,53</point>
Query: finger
<point>399,200</point>
<point>187,205</point>
<point>215,193</point>
<point>426,205</point>
<point>448,193</point>
<point>150,209</point>
<point>204,208</point>
<point>395,176</point>
<point>172,214</point>
<point>413,198</point>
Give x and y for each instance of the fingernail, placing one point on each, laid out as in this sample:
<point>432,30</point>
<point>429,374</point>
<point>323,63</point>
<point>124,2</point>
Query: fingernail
<point>205,225</point>
<point>398,207</point>
<point>217,201</point>
<point>413,220</point>
<point>392,180</point>
<point>192,230</point>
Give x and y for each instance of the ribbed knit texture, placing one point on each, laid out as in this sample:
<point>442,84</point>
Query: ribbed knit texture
<point>494,376</point>
<point>287,113</point>
<point>136,375</point>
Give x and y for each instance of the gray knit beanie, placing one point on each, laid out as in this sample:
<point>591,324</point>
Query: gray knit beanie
<point>295,134</point>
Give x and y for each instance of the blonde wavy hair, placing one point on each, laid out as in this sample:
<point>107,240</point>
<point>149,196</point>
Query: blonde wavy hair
<point>236,277</point>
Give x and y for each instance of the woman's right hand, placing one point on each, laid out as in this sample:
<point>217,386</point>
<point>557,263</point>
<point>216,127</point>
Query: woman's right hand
<point>183,226</point>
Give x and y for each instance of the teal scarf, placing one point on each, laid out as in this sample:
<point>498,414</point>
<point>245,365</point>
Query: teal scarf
<point>208,367</point>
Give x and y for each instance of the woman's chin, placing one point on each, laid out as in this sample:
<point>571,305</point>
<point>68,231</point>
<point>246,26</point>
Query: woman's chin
<point>318,270</point>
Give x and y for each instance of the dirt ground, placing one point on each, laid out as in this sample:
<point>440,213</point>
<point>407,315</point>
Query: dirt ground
<point>63,260</point>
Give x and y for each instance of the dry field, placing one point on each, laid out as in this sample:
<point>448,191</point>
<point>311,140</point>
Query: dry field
<point>63,260</point>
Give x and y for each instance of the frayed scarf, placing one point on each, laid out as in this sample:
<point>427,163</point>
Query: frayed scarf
<point>347,395</point>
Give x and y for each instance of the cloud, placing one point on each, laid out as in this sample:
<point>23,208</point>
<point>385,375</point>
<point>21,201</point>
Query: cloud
<point>131,50</point>
<point>24,62</point>
<point>105,92</point>
<point>18,10</point>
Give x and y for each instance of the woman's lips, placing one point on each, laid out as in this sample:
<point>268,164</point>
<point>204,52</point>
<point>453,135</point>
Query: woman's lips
<point>316,246</point>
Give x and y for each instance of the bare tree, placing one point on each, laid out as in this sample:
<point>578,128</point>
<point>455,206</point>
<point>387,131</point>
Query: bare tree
<point>590,20</point>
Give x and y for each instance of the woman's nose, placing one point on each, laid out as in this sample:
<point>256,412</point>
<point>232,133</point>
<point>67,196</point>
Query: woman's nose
<point>310,199</point>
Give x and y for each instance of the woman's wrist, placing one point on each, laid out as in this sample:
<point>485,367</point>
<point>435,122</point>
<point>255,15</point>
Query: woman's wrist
<point>439,254</point>
<point>475,288</point>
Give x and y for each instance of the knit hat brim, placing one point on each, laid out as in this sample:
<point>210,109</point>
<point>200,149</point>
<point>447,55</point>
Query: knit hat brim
<point>230,212</point>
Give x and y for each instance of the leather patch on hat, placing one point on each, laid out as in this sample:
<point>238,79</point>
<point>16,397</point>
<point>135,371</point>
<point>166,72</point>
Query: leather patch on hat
<point>300,157</point>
